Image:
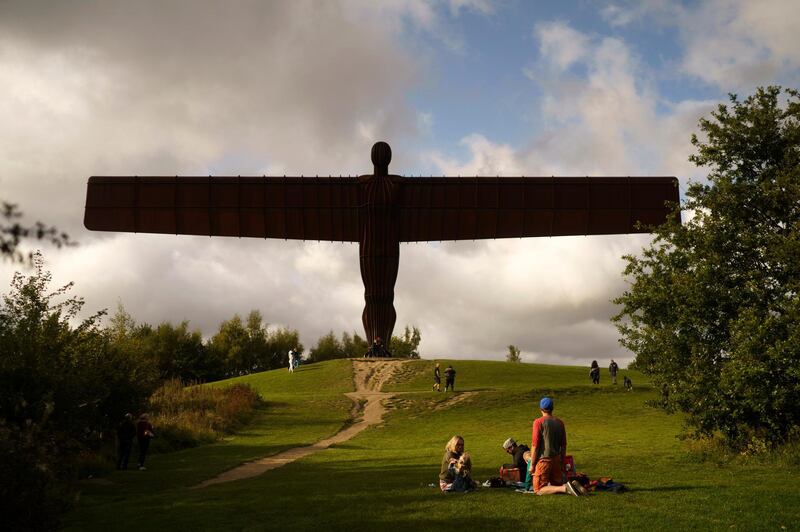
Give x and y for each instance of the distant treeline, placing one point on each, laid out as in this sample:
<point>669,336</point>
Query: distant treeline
<point>239,347</point>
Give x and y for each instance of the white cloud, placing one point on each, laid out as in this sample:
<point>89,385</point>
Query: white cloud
<point>486,158</point>
<point>306,87</point>
<point>560,44</point>
<point>617,16</point>
<point>732,44</point>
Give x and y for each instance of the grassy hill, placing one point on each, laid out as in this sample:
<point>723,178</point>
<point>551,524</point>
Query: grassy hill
<point>385,477</point>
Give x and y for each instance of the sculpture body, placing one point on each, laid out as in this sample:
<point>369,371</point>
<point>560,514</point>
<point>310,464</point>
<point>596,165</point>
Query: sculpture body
<point>379,211</point>
<point>379,247</point>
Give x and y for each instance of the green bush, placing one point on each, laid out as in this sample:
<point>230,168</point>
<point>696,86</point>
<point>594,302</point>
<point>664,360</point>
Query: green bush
<point>187,416</point>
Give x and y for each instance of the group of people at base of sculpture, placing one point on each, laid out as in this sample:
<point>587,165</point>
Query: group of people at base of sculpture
<point>127,430</point>
<point>613,369</point>
<point>449,378</point>
<point>546,464</point>
<point>377,349</point>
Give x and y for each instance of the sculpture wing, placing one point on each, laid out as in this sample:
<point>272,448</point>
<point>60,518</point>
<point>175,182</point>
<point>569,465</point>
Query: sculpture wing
<point>450,208</point>
<point>302,208</point>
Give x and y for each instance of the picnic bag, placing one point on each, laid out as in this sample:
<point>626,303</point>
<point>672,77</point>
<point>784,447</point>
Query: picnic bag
<point>510,474</point>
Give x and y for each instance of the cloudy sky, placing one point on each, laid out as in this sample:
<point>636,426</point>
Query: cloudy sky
<point>306,87</point>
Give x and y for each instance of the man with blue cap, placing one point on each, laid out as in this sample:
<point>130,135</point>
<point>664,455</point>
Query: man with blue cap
<point>549,446</point>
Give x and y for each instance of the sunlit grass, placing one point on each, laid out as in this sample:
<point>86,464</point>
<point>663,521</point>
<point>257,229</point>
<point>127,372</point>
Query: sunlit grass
<point>383,478</point>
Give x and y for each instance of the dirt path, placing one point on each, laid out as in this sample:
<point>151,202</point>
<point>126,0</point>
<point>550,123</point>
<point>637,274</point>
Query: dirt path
<point>369,375</point>
<point>455,399</point>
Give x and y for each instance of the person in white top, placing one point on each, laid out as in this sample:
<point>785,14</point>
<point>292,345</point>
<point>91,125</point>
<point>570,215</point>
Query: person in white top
<point>291,360</point>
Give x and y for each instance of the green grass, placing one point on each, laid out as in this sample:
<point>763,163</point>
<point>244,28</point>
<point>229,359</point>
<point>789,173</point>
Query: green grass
<point>382,478</point>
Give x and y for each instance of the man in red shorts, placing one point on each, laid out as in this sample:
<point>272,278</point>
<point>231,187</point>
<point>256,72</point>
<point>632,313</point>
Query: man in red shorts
<point>549,445</point>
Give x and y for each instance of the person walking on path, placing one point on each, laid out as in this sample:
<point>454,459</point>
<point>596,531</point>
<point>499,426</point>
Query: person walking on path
<point>437,378</point>
<point>549,443</point>
<point>594,372</point>
<point>449,378</point>
<point>126,431</point>
<point>144,433</point>
<point>613,368</point>
<point>291,360</point>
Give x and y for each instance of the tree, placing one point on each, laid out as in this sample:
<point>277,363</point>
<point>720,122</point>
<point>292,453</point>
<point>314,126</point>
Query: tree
<point>247,347</point>
<point>63,385</point>
<point>513,354</point>
<point>713,309</point>
<point>12,232</point>
<point>406,346</point>
<point>328,347</point>
<point>354,346</point>
<point>231,345</point>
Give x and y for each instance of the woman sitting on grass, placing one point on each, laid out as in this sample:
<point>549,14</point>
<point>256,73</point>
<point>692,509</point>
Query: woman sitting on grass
<point>455,474</point>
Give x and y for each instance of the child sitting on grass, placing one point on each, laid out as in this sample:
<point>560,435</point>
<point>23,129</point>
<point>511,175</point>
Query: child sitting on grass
<point>455,474</point>
<point>462,473</point>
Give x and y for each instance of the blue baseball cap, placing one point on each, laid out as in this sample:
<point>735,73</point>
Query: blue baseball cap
<point>546,404</point>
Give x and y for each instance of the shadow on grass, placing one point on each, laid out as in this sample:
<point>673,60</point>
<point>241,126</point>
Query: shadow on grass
<point>658,488</point>
<point>303,368</point>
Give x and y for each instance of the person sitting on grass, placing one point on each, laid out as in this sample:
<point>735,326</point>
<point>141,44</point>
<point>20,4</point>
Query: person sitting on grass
<point>549,442</point>
<point>463,474</point>
<point>452,453</point>
<point>517,451</point>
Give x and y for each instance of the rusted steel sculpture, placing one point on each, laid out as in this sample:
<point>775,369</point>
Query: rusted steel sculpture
<point>379,211</point>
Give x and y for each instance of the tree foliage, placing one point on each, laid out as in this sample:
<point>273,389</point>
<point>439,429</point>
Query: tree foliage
<point>250,346</point>
<point>330,347</point>
<point>13,232</point>
<point>62,385</point>
<point>712,313</point>
<point>406,346</point>
<point>513,354</point>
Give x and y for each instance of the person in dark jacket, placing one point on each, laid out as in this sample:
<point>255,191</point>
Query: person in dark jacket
<point>144,433</point>
<point>613,368</point>
<point>450,378</point>
<point>594,372</point>
<point>126,431</point>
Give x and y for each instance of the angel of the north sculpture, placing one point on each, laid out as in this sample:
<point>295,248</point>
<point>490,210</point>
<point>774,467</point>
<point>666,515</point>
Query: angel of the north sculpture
<point>379,211</point>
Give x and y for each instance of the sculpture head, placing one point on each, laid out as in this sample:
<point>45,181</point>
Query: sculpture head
<point>381,157</point>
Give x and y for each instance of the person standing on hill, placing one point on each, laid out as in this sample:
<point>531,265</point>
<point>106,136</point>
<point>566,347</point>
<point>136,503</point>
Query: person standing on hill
<point>291,360</point>
<point>613,368</point>
<point>144,433</point>
<point>437,378</point>
<point>549,443</point>
<point>126,431</point>
<point>594,372</point>
<point>449,378</point>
